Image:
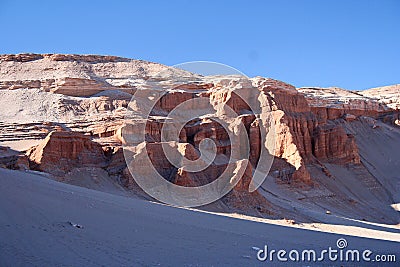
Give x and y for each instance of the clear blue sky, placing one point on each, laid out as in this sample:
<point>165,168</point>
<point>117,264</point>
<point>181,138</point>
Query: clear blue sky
<point>351,44</point>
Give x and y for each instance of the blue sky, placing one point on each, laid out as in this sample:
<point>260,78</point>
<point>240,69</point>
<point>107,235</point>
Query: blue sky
<point>350,44</point>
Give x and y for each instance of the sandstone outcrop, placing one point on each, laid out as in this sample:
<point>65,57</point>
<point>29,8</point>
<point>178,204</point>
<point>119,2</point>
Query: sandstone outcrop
<point>333,103</point>
<point>331,143</point>
<point>76,105</point>
<point>62,151</point>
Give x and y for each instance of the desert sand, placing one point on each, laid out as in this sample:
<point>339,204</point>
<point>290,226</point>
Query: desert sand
<point>119,231</point>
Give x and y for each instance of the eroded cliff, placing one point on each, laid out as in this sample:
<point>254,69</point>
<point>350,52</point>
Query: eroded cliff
<point>72,110</point>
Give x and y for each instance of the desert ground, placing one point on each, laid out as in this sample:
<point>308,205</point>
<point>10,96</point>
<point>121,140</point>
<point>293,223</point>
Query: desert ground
<point>36,213</point>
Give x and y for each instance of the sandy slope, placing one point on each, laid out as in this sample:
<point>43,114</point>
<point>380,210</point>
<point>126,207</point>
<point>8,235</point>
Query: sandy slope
<point>119,231</point>
<point>380,153</point>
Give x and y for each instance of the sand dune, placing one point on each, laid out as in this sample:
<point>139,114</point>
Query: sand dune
<point>35,216</point>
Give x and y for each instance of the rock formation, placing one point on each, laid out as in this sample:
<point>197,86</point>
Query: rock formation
<point>74,108</point>
<point>61,151</point>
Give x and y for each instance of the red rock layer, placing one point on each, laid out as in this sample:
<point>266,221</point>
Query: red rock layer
<point>62,151</point>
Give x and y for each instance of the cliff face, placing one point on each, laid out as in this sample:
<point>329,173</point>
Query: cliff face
<point>73,107</point>
<point>305,131</point>
<point>63,151</point>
